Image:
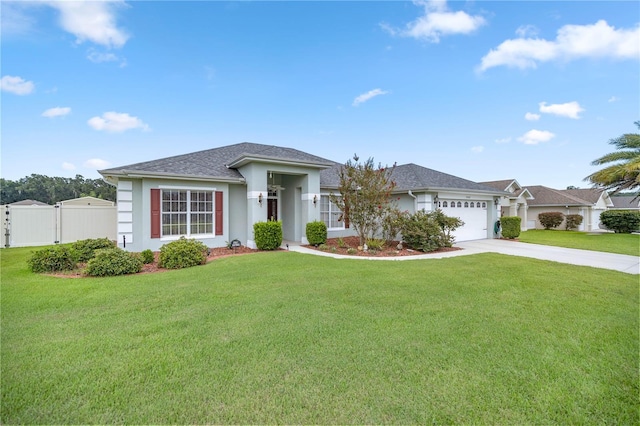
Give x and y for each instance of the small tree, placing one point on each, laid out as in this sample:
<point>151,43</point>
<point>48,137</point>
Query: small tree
<point>365,196</point>
<point>551,219</point>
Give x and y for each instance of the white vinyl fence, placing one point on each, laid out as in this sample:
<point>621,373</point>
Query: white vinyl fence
<point>25,226</point>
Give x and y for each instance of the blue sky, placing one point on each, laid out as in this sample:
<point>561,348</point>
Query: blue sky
<point>482,90</point>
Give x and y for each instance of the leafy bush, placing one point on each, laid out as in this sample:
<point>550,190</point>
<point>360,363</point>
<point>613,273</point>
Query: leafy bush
<point>621,221</point>
<point>392,224</point>
<point>147,256</point>
<point>85,249</point>
<point>341,243</point>
<point>183,253</point>
<point>323,247</point>
<point>351,251</point>
<point>316,232</point>
<point>447,224</point>
<point>268,235</point>
<point>550,219</point>
<point>510,226</point>
<point>52,259</point>
<point>573,221</point>
<point>113,261</point>
<point>428,231</point>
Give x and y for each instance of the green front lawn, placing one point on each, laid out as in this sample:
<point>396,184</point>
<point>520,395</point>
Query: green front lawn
<point>290,338</point>
<point>597,241</point>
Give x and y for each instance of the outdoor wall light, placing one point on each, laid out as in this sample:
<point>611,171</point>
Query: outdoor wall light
<point>315,200</point>
<point>260,199</point>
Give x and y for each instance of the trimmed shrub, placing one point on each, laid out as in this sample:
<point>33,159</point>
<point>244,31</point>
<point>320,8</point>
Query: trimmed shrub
<point>85,248</point>
<point>573,221</point>
<point>316,232</point>
<point>113,261</point>
<point>268,235</point>
<point>510,226</point>
<point>147,256</point>
<point>183,253</point>
<point>52,259</point>
<point>621,221</point>
<point>550,219</point>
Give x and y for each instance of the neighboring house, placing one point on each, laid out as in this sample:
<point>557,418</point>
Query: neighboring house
<point>516,203</point>
<point>87,201</point>
<point>218,194</point>
<point>588,203</point>
<point>28,203</point>
<point>625,202</point>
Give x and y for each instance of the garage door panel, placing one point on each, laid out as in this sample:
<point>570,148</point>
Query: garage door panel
<point>475,219</point>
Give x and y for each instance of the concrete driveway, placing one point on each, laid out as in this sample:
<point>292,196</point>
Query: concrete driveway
<point>596,259</point>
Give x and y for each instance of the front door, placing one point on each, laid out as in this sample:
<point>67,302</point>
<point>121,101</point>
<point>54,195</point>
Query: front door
<point>272,209</point>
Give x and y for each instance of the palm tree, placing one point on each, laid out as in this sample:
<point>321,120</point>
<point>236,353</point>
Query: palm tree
<point>624,174</point>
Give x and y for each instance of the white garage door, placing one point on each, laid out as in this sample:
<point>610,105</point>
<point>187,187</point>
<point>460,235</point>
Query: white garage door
<point>472,213</point>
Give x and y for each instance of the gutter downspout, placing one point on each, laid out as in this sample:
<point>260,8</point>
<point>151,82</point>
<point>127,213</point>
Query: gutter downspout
<point>415,200</point>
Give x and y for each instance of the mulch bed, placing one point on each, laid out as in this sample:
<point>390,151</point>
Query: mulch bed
<point>151,268</point>
<point>342,245</point>
<point>334,245</point>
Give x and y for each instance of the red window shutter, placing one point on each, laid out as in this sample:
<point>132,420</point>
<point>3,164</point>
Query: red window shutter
<point>219,213</point>
<point>155,213</point>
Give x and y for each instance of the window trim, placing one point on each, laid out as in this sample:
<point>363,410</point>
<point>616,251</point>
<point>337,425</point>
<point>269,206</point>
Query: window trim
<point>188,212</point>
<point>338,228</point>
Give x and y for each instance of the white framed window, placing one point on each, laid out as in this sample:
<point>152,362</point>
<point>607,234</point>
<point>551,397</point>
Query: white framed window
<point>186,212</point>
<point>330,214</point>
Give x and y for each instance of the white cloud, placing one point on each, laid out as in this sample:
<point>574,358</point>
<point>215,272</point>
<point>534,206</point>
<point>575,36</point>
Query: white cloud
<point>569,109</point>
<point>68,166</point>
<point>572,42</point>
<point>367,96</point>
<point>613,99</point>
<point>13,19</point>
<point>503,140</point>
<point>534,137</point>
<point>96,163</point>
<point>16,85</point>
<point>437,21</point>
<point>92,20</point>
<point>115,122</point>
<point>98,57</point>
<point>478,148</point>
<point>527,31</point>
<point>56,112</point>
<point>531,116</point>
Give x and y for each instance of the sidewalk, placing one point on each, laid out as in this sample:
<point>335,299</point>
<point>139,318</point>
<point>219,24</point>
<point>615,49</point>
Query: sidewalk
<point>596,259</point>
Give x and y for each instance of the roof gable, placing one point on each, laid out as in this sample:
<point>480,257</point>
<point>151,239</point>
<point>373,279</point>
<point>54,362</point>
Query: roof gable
<point>216,163</point>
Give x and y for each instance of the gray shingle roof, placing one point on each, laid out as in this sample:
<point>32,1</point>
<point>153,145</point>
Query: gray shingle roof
<point>212,163</point>
<point>414,177</point>
<point>625,201</point>
<point>544,196</point>
<point>500,185</point>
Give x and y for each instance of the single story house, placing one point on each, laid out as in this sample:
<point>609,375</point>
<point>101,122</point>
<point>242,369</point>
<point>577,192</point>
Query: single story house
<point>516,203</point>
<point>528,202</point>
<point>218,194</point>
